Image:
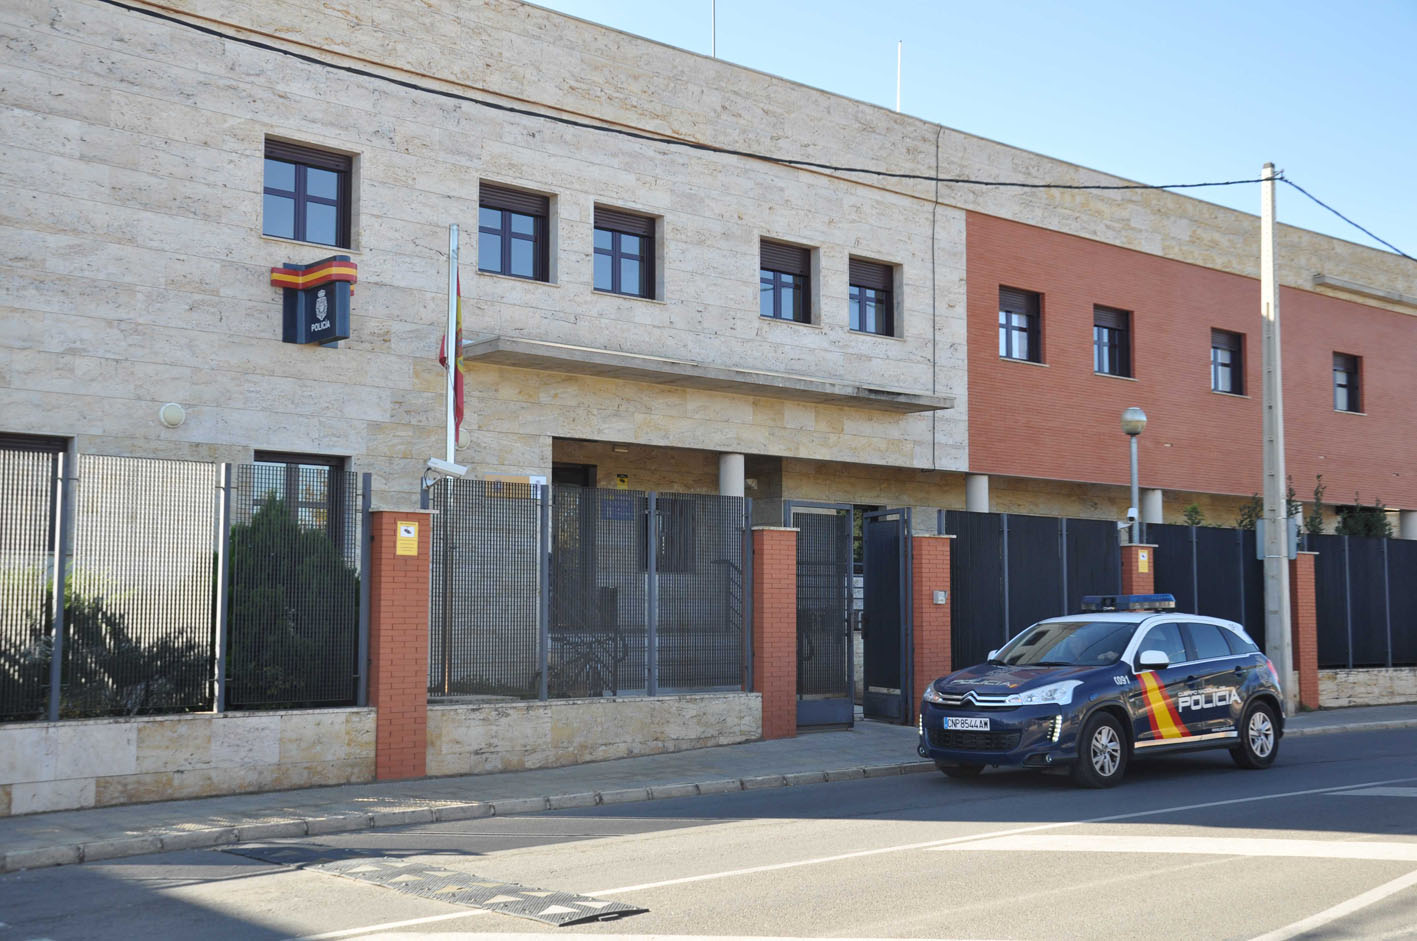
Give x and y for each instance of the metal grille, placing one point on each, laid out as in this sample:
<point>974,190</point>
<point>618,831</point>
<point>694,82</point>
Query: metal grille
<point>483,635</point>
<point>293,622</point>
<point>700,591</point>
<point>138,615</point>
<point>974,741</point>
<point>27,484</point>
<point>1367,601</point>
<point>823,598</point>
<point>598,586</point>
<point>1211,571</point>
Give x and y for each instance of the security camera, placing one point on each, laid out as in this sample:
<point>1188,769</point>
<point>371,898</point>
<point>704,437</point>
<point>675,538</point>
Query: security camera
<point>437,469</point>
<point>1131,514</point>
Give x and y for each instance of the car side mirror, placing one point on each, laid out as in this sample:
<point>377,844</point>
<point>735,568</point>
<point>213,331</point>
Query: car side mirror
<point>1153,660</point>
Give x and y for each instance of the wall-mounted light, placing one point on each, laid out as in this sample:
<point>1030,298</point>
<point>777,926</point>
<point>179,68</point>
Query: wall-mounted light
<point>172,414</point>
<point>620,449</point>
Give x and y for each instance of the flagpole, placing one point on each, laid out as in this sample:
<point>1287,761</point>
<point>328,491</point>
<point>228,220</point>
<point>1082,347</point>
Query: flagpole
<point>451,342</point>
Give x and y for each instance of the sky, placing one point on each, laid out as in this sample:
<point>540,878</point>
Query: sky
<point>1171,92</point>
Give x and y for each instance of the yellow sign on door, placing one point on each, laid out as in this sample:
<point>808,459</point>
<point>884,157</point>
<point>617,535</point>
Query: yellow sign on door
<point>407,541</point>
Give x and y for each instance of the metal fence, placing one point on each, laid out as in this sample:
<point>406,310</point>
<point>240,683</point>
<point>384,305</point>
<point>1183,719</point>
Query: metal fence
<point>1211,571</point>
<point>121,593</point>
<point>1366,592</point>
<point>568,591</point>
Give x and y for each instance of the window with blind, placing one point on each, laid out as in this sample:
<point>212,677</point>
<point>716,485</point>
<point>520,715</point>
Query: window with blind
<point>306,195</point>
<point>512,232</point>
<point>872,310</point>
<point>1019,327</point>
<point>624,253</point>
<point>1111,341</point>
<point>1347,396</point>
<point>783,282</point>
<point>1227,362</point>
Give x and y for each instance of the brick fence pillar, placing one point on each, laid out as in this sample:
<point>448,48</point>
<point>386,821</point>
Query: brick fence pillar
<point>930,573</point>
<point>1304,627</point>
<point>1138,569</point>
<point>398,642</point>
<point>775,628</point>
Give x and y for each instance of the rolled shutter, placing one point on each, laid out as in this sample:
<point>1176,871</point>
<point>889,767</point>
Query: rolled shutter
<point>870,274</point>
<point>626,222</point>
<point>788,259</point>
<point>1111,318</point>
<point>493,196</point>
<point>1019,302</point>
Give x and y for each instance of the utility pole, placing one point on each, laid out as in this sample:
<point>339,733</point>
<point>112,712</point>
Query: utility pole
<point>1279,641</point>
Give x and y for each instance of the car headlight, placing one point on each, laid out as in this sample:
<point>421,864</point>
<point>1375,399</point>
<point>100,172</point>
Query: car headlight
<point>933,695</point>
<point>1060,693</point>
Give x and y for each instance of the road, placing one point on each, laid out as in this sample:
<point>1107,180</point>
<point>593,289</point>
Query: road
<point>1323,845</point>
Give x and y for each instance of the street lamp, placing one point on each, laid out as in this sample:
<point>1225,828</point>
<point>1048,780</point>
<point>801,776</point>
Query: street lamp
<point>1133,424</point>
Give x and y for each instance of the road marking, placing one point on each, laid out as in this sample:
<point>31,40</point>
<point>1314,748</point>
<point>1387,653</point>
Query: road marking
<point>1382,792</point>
<point>1195,845</point>
<point>390,926</point>
<point>1342,909</point>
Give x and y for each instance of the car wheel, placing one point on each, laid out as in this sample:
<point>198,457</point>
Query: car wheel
<point>961,771</point>
<point>1259,739</point>
<point>1102,752</point>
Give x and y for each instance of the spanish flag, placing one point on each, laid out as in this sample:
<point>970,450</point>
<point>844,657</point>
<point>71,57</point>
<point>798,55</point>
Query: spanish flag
<point>458,365</point>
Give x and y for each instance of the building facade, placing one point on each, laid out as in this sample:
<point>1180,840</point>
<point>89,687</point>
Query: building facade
<point>665,284</point>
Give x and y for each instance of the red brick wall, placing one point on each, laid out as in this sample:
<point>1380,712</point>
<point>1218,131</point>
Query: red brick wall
<point>1304,627</point>
<point>1060,420</point>
<point>398,647</point>
<point>1134,580</point>
<point>775,629</point>
<point>929,573</point>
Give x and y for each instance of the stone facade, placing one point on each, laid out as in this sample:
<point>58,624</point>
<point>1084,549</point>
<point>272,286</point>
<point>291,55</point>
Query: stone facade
<point>97,762</point>
<point>1367,687</point>
<point>486,738</point>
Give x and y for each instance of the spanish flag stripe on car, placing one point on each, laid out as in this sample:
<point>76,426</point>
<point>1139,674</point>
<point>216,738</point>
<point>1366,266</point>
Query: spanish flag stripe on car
<point>1159,711</point>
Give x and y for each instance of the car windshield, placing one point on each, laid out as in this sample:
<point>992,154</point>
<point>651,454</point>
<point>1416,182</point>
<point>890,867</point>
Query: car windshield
<point>1068,643</point>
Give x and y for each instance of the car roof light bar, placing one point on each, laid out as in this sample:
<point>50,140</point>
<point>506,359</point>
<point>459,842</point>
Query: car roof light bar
<point>1161,602</point>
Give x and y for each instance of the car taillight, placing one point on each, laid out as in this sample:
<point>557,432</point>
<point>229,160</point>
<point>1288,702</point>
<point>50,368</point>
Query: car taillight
<point>1273,673</point>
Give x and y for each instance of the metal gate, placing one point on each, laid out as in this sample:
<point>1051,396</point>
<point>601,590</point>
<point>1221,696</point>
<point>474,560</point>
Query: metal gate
<point>886,618</point>
<point>824,655</point>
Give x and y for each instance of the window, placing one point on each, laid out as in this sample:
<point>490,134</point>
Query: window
<point>306,195</point>
<point>624,253</point>
<point>1347,396</point>
<point>783,276</point>
<point>871,307</point>
<point>1227,362</point>
<point>1018,325</point>
<point>1111,341</point>
<point>1208,640</point>
<point>511,233</point>
<point>1167,639</point>
<point>310,487</point>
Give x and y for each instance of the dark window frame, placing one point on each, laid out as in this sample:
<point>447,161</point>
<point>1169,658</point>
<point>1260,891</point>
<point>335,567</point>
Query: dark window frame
<point>619,225</point>
<point>1111,341</point>
<point>333,504</point>
<point>1347,382</point>
<point>782,266</point>
<point>507,203</point>
<point>870,288</point>
<point>1223,344</point>
<point>303,159</point>
<point>1020,316</point>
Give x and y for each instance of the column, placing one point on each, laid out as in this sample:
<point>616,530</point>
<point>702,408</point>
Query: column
<point>730,475</point>
<point>1407,524</point>
<point>1138,569</point>
<point>398,641</point>
<point>930,581</point>
<point>1304,626</point>
<point>976,493</point>
<point>775,628</point>
<point>1150,508</point>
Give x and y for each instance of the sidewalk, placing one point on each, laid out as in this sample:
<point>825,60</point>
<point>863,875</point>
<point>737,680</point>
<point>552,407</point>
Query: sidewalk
<point>870,749</point>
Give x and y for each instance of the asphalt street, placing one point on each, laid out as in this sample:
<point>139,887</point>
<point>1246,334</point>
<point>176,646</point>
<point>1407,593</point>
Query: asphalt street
<point>1323,845</point>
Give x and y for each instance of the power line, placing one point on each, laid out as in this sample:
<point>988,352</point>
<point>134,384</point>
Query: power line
<point>1340,215</point>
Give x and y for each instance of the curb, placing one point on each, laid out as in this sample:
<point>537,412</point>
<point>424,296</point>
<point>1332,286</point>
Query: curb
<point>322,824</point>
<point>1378,725</point>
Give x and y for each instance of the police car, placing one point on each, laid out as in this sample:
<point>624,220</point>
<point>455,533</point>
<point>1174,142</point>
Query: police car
<point>1129,675</point>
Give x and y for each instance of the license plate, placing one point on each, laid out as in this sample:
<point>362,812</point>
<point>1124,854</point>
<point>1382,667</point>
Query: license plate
<point>966,724</point>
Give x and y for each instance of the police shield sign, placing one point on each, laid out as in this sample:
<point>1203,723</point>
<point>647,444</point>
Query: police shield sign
<point>316,308</point>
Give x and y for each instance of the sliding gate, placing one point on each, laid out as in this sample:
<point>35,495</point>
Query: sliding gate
<point>824,654</point>
<point>886,617</point>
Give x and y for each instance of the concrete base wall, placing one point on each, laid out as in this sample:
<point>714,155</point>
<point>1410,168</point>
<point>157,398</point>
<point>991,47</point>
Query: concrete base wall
<point>1372,687</point>
<point>485,738</point>
<point>97,762</point>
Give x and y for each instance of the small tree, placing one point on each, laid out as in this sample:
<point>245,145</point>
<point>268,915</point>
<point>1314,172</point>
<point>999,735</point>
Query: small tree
<point>1192,515</point>
<point>1314,522</point>
<point>1361,520</point>
<point>1252,511</point>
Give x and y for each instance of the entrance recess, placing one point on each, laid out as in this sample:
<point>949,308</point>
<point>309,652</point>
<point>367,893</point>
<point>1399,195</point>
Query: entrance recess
<point>824,655</point>
<point>886,618</point>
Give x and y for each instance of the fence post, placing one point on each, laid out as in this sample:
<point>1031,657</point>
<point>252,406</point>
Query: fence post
<point>543,585</point>
<point>1063,556</point>
<point>1348,600</point>
<point>1195,580</point>
<point>445,518</point>
<point>366,538</point>
<point>652,600</point>
<point>1004,568</point>
<point>1387,602</point>
<point>398,643</point>
<point>62,495</point>
<point>223,587</point>
<point>747,594</point>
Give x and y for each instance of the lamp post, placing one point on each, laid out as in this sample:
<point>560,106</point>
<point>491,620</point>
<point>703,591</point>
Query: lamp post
<point>1133,424</point>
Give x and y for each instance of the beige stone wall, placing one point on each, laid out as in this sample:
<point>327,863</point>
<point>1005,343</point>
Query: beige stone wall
<point>485,738</point>
<point>97,762</point>
<point>1368,687</point>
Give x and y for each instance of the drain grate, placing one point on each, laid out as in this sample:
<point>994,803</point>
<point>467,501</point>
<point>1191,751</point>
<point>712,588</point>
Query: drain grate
<point>444,885</point>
